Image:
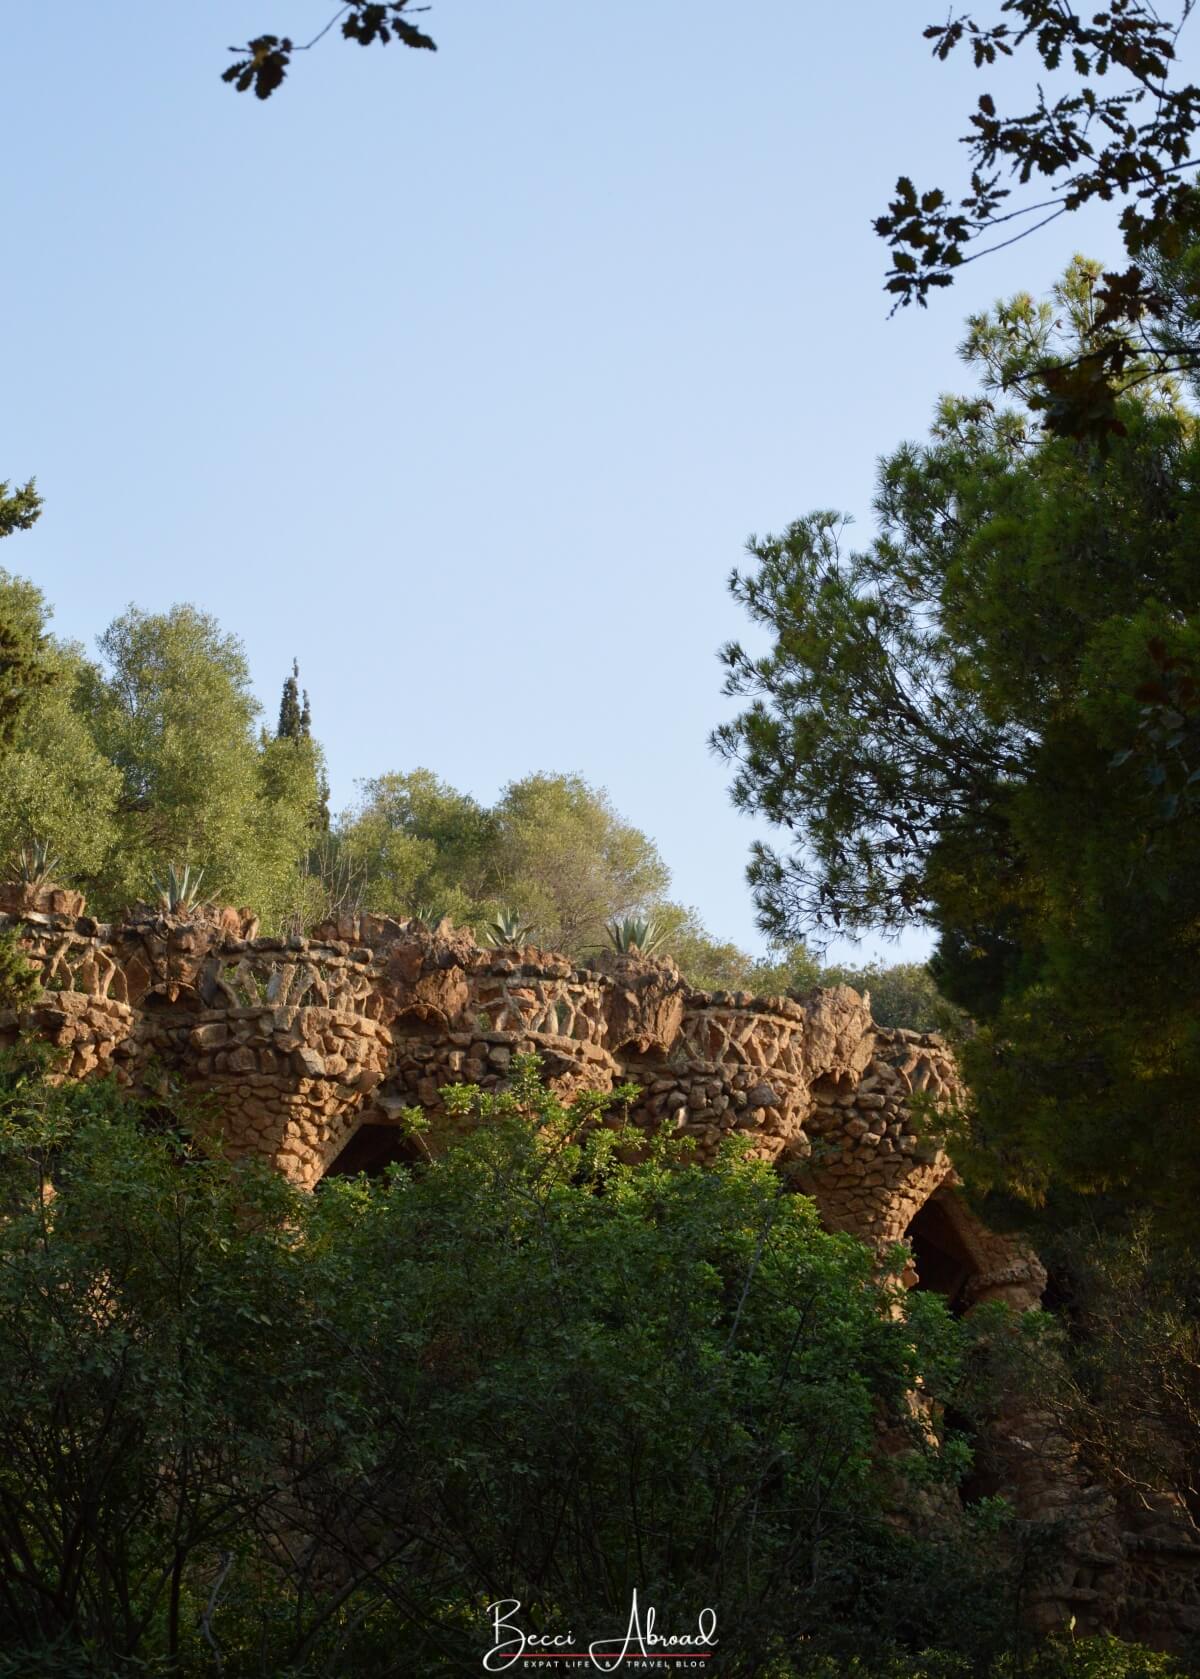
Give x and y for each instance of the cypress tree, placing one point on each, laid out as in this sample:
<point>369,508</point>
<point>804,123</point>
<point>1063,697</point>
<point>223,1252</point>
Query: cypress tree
<point>295,723</point>
<point>291,719</point>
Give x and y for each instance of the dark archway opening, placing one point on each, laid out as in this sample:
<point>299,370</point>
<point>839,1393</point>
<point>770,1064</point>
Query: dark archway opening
<point>372,1149</point>
<point>944,1264</point>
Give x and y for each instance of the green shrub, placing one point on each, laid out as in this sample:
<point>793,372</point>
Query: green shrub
<point>318,1434</point>
<point>20,981</point>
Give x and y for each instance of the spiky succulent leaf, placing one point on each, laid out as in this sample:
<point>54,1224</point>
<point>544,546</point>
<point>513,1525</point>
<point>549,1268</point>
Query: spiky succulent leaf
<point>34,864</point>
<point>635,934</point>
<point>180,890</point>
<point>428,914</point>
<point>508,926</point>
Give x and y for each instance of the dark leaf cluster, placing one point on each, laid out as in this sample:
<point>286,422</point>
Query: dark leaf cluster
<point>1121,129</point>
<point>265,61</point>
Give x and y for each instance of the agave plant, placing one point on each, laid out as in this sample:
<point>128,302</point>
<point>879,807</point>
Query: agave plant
<point>429,914</point>
<point>636,935</point>
<point>35,866</point>
<point>180,890</point>
<point>508,926</point>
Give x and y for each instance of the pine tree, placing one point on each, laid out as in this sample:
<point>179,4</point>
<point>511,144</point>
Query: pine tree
<point>951,727</point>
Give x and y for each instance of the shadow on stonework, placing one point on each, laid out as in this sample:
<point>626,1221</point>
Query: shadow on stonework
<point>372,1149</point>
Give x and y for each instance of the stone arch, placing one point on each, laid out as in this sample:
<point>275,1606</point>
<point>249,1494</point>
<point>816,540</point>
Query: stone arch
<point>371,1148</point>
<point>956,1255</point>
<point>943,1261</point>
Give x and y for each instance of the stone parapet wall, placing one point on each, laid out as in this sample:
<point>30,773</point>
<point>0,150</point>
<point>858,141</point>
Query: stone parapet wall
<point>85,1010</point>
<point>302,1040</point>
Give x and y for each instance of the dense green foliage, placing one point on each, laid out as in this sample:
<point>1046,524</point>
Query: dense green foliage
<point>173,710</point>
<point>949,721</point>
<point>295,715</point>
<point>57,785</point>
<point>20,981</point>
<point>252,1431</point>
<point>551,847</point>
<point>1132,1304</point>
<point>1055,1658</point>
<point>23,667</point>
<point>153,757</point>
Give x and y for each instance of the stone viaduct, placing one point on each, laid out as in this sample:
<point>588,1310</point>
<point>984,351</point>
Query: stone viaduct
<point>309,1049</point>
<point>313,1047</point>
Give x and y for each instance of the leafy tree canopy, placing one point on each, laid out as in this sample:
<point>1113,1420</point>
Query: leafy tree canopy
<point>56,785</point>
<point>1111,119</point>
<point>564,853</point>
<point>946,723</point>
<point>419,847</point>
<point>551,847</point>
<point>295,717</point>
<point>172,711</point>
<point>156,754</point>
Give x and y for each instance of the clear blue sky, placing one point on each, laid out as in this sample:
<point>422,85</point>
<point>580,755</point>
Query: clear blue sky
<point>463,378</point>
